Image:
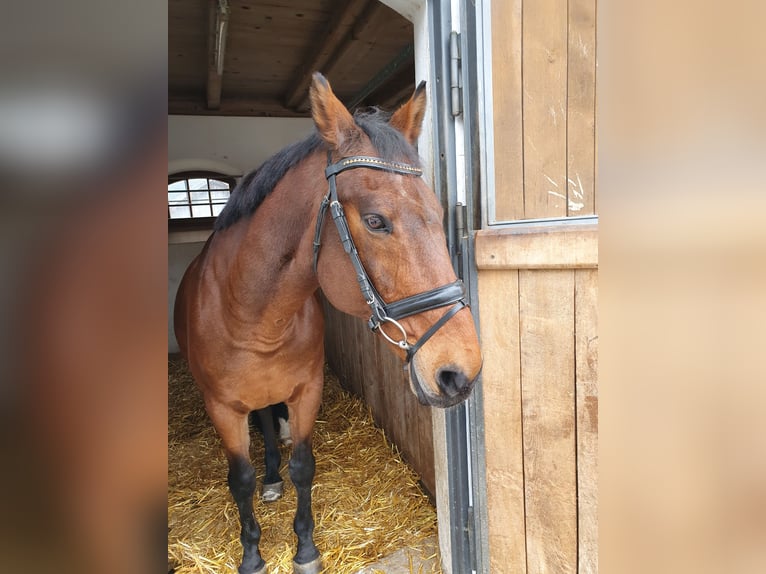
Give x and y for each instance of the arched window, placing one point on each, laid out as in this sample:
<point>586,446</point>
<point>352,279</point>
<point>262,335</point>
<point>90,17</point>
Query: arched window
<point>198,195</point>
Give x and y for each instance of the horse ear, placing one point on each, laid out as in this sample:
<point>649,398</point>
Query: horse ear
<point>409,118</point>
<point>333,121</point>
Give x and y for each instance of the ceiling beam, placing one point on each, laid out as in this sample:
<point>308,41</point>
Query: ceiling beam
<point>333,35</point>
<point>396,91</point>
<point>229,107</point>
<point>404,57</point>
<point>218,25</point>
<point>356,40</point>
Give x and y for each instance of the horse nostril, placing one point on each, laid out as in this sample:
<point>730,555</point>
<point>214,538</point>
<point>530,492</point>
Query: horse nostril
<point>451,382</point>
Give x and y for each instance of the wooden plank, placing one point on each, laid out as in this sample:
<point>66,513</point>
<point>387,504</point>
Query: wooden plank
<point>247,107</point>
<point>507,110</point>
<point>412,409</point>
<point>501,380</point>
<point>366,49</point>
<point>214,79</point>
<point>356,347</point>
<point>586,368</point>
<point>546,314</point>
<point>425,435</point>
<point>538,247</point>
<point>581,108</point>
<point>376,388</point>
<point>544,55</point>
<point>337,27</point>
<point>355,49</point>
<point>396,401</point>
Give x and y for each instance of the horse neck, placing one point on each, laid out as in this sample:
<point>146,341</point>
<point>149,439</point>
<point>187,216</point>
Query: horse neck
<point>271,275</point>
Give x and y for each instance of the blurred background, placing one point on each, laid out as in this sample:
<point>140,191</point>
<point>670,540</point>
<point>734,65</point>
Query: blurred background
<point>83,399</point>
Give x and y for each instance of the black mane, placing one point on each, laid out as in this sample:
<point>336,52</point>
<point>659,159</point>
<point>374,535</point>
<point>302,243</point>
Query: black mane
<point>254,187</point>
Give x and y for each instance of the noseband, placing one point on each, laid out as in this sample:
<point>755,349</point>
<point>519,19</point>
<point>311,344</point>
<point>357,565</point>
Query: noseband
<point>382,312</point>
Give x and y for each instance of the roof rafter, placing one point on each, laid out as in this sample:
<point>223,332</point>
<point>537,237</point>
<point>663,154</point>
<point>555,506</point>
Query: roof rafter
<point>335,34</point>
<point>218,24</point>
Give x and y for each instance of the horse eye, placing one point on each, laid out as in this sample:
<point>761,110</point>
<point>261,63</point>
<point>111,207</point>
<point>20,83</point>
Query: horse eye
<point>375,222</point>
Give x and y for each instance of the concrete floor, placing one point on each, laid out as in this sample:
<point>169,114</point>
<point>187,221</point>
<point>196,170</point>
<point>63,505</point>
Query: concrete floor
<point>421,560</point>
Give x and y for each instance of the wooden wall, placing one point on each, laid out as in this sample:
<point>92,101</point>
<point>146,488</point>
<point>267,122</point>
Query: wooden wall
<point>367,368</point>
<point>538,289</point>
<point>544,96</point>
<point>539,338</point>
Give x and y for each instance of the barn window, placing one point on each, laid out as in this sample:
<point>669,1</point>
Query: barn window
<point>198,195</point>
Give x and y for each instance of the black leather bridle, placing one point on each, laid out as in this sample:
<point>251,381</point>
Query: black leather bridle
<point>382,312</point>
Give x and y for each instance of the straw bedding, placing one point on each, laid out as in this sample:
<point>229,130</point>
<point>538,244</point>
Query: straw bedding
<point>366,501</point>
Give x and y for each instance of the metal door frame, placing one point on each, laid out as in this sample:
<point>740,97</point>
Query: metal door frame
<point>457,169</point>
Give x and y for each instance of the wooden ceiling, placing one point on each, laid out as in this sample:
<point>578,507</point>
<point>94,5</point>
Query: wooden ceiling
<point>269,49</point>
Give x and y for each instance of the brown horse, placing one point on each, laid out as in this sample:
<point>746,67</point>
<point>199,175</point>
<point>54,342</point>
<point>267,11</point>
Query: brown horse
<point>247,315</point>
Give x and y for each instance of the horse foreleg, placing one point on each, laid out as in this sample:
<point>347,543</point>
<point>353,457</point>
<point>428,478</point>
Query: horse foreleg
<point>302,466</point>
<point>273,485</point>
<point>242,486</point>
<point>233,429</point>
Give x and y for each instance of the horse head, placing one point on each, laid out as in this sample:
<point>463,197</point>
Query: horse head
<point>394,222</point>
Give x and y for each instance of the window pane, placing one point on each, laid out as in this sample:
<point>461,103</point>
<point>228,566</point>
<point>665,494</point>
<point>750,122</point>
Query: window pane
<point>177,185</point>
<point>219,195</point>
<point>217,184</point>
<point>206,197</point>
<point>175,198</point>
<point>179,212</point>
<point>200,183</point>
<point>199,197</point>
<point>201,210</point>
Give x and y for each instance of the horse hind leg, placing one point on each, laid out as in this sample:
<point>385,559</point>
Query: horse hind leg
<point>273,486</point>
<point>233,429</point>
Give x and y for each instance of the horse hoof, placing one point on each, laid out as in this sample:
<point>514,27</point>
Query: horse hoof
<point>272,492</point>
<point>313,567</point>
<point>261,570</point>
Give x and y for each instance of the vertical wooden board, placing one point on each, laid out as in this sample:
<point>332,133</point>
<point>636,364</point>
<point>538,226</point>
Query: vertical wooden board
<point>586,366</point>
<point>409,424</point>
<point>361,346</point>
<point>425,435</point>
<point>544,55</point>
<point>546,313</point>
<point>377,387</point>
<point>407,415</point>
<point>507,110</point>
<point>348,352</point>
<point>581,108</point>
<point>397,400</point>
<point>366,367</point>
<point>341,368</point>
<point>499,308</point>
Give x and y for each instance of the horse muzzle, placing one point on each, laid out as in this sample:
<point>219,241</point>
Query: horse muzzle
<point>453,384</point>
